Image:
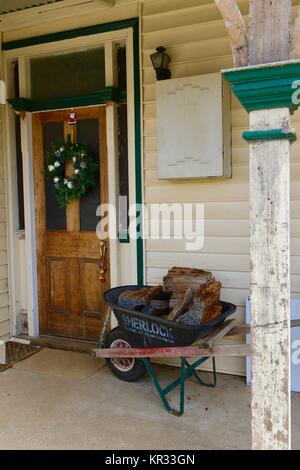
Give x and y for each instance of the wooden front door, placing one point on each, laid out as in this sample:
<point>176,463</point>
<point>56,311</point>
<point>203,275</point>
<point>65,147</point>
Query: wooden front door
<point>68,249</point>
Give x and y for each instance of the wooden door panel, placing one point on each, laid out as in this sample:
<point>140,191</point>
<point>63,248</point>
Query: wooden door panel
<point>70,291</point>
<point>57,285</point>
<point>74,288</point>
<point>90,288</point>
<point>73,244</point>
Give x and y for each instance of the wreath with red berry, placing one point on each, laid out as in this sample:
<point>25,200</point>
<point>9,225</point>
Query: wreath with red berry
<point>84,173</point>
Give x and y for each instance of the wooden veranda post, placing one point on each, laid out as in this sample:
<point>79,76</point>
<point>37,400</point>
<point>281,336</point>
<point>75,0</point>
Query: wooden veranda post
<point>270,41</point>
<point>265,88</point>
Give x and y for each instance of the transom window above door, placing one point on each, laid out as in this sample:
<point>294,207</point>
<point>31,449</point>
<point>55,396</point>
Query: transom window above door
<point>73,74</point>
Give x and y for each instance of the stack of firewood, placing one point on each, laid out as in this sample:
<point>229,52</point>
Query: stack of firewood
<point>195,295</point>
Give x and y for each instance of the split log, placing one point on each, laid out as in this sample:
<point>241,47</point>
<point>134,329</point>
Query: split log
<point>198,306</point>
<point>179,280</point>
<point>160,307</point>
<point>210,292</point>
<point>182,305</point>
<point>194,314</point>
<point>212,312</point>
<point>139,298</point>
<point>205,305</point>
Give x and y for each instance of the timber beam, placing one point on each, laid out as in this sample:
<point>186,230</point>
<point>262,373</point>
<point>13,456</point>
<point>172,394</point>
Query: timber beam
<point>295,48</point>
<point>236,30</point>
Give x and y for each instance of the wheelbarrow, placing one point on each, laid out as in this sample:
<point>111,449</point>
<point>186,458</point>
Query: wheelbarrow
<point>140,336</point>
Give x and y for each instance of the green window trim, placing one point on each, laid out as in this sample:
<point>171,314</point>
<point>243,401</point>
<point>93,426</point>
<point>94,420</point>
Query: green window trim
<point>96,29</point>
<point>99,97</point>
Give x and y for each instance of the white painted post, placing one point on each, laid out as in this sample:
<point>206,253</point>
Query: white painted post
<point>2,352</point>
<point>30,237</point>
<point>268,42</point>
<point>112,156</point>
<point>270,282</point>
<point>29,205</point>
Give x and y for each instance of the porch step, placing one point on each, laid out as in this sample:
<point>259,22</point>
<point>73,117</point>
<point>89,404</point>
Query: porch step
<point>15,352</point>
<point>65,344</point>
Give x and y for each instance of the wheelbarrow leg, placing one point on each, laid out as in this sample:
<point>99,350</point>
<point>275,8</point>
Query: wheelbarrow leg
<point>197,375</point>
<point>182,385</point>
<point>156,384</point>
<point>162,392</point>
<point>186,370</point>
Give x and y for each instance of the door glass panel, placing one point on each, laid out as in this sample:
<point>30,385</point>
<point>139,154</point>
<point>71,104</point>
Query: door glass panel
<point>88,134</point>
<point>75,74</point>
<point>123,170</point>
<point>121,60</point>
<point>55,216</point>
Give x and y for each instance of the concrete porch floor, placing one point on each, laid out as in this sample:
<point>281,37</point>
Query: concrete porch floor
<point>40,411</point>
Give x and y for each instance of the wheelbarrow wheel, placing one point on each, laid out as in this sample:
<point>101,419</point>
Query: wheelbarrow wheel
<point>126,369</point>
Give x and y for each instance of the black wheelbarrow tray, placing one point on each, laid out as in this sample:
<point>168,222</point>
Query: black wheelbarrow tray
<point>139,337</point>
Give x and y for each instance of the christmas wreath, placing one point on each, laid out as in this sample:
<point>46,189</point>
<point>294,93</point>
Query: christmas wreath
<point>84,171</point>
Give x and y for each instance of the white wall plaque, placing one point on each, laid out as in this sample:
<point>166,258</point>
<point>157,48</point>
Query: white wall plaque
<point>190,128</point>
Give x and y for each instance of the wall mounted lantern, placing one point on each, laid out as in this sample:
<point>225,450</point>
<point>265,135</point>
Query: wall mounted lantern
<point>160,61</point>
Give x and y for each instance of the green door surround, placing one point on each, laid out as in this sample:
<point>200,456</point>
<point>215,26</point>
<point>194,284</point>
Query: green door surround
<point>267,87</point>
<point>101,96</point>
<point>97,29</point>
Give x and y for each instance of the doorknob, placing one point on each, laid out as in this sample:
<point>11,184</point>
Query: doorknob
<point>103,261</point>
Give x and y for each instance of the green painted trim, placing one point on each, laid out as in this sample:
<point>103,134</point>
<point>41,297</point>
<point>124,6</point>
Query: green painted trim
<point>72,33</point>
<point>265,87</point>
<point>102,28</point>
<point>21,104</point>
<point>100,97</point>
<point>124,237</point>
<point>138,148</point>
<point>274,134</point>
